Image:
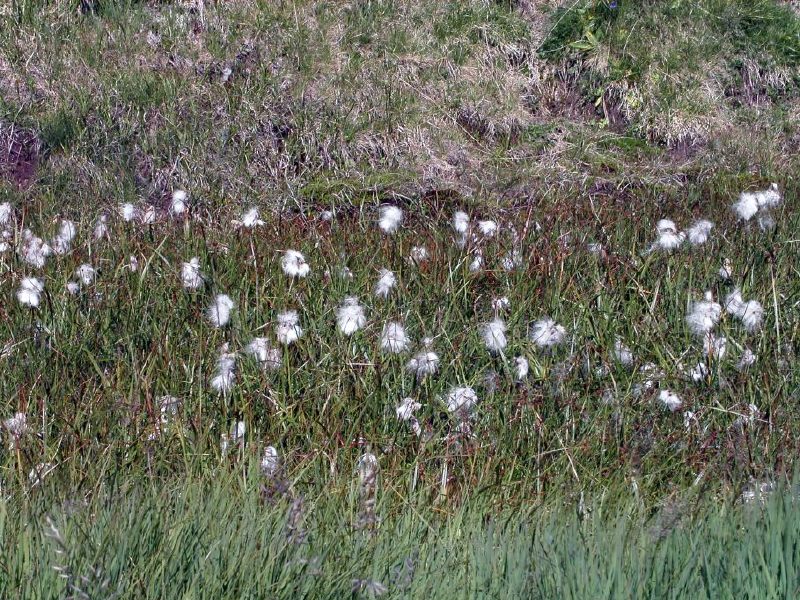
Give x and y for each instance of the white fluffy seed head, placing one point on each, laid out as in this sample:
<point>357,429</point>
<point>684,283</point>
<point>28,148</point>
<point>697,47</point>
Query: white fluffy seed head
<point>225,372</point>
<point>34,250</point>
<point>29,292</point>
<point>460,222</point>
<point>62,242</point>
<point>250,219</point>
<point>622,354</point>
<point>350,316</point>
<point>521,367</point>
<point>461,401</point>
<point>419,254</point>
<point>219,313</point>
<point>746,206</point>
<point>393,338</point>
<point>423,364</point>
<point>385,283</point>
<point>494,335</point>
<point>670,400</point>
<point>488,227</point>
<point>178,202</point>
<point>86,274</point>
<point>101,227</point>
<point>391,217</point>
<point>287,328</point>
<point>699,232</point>
<point>5,213</point>
<point>267,356</point>
<point>270,462</point>
<point>191,275</point>
<point>406,409</point>
<point>127,211</point>
<point>703,316</point>
<point>546,333</point>
<point>752,315</point>
<point>294,264</point>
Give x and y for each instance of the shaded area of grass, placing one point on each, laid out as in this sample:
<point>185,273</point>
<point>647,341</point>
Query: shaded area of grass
<point>215,540</point>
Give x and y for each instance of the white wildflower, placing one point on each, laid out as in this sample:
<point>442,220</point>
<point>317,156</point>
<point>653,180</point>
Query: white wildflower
<point>225,371</point>
<point>461,400</point>
<point>267,356</point>
<point>191,275</point>
<point>477,262</point>
<point>546,333</point>
<point>699,232</point>
<point>488,227</point>
<point>500,304</point>
<point>133,263</point>
<point>521,367</point>
<point>73,287</point>
<point>5,240</point>
<point>367,469</point>
<point>101,227</point>
<point>178,202</point>
<point>512,260</point>
<point>34,249</point>
<point>703,315</point>
<point>419,254</point>
<point>622,354</point>
<point>350,316</point>
<point>288,329</point>
<point>698,373</point>
<point>127,211</point>
<point>669,238</point>
<point>148,217</point>
<point>294,264</point>
<point>746,207</point>
<point>752,315</point>
<point>406,409</point>
<point>86,274</point>
<point>62,242</point>
<point>270,462</point>
<point>386,282</point>
<point>29,292</point>
<point>394,338</point>
<point>326,215</point>
<point>17,426</point>
<point>219,313</point>
<point>734,303</point>
<point>747,360</point>
<point>594,248</point>
<point>494,335</point>
<point>5,213</point>
<point>768,198</point>
<point>670,400</point>
<point>716,347</point>
<point>460,222</point>
<point>391,217</point>
<point>169,408</point>
<point>423,363</point>
<point>250,219</point>
<point>726,270</point>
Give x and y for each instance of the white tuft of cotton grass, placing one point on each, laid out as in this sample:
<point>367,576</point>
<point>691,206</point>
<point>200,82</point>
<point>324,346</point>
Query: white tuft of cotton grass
<point>224,376</point>
<point>385,283</point>
<point>249,220</point>
<point>294,264</point>
<point>268,357</point>
<point>128,212</point>
<point>699,232</point>
<point>219,312</point>
<point>62,242</point>
<point>288,329</point>
<point>86,274</point>
<point>726,270</point>
<point>17,426</point>
<point>521,368</point>
<point>423,363</point>
<point>419,254</point>
<point>34,250</point>
<point>501,304</point>
<point>101,228</point>
<point>747,360</point>
<point>769,198</point>
<point>494,335</point>
<point>191,275</point>
<point>461,401</point>
<point>30,291</point>
<point>622,353</point>
<point>270,462</point>
<point>703,315</point>
<point>6,212</point>
<point>669,238</point>
<point>350,316</point>
<point>393,338</point>
<point>749,312</point>
<point>460,222</point>
<point>546,333</point>
<point>670,400</point>
<point>177,205</point>
<point>391,217</point>
<point>487,227</point>
<point>406,409</point>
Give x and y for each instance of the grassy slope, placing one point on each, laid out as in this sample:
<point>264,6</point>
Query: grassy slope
<point>512,111</point>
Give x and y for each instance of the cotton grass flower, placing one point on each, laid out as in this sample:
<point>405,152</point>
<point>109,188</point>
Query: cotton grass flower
<point>386,282</point>
<point>546,333</point>
<point>622,354</point>
<point>101,228</point>
<point>219,313</point>
<point>148,216</point>
<point>191,276</point>
<point>177,205</point>
<point>86,274</point>
<point>250,219</point>
<point>127,211</point>
<point>747,360</point>
<point>225,372</point>
<point>703,315</point>
<point>419,254</point>
<point>30,291</point>
<point>423,363</point>
<point>393,338</point>
<point>769,198</point>
<point>460,222</point>
<point>669,238</point>
<point>477,262</point>
<point>521,368</point>
<point>34,250</point>
<point>5,213</point>
<point>494,335</point>
<point>715,346</point>
<point>405,413</point>
<point>294,264</point>
<point>670,400</point>
<point>461,401</point>
<point>726,270</point>
<point>73,287</point>
<point>487,228</point>
<point>350,316</point>
<point>17,426</point>
<point>501,304</point>
<point>62,242</point>
<point>699,232</point>
<point>288,329</point>
<point>391,217</point>
<point>750,312</point>
<point>268,357</point>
